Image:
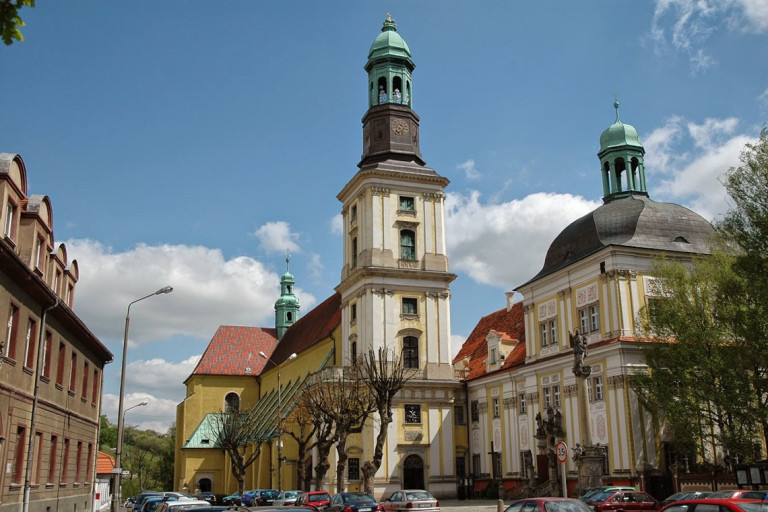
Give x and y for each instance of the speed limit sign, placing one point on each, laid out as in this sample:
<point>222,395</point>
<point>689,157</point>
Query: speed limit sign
<point>561,450</point>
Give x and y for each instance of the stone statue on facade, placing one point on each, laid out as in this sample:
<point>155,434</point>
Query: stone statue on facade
<point>579,344</point>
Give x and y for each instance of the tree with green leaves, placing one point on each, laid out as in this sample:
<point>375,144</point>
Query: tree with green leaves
<point>707,370</point>
<point>10,21</point>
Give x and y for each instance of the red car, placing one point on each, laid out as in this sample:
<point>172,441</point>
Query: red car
<point>315,499</point>
<point>623,501</point>
<point>548,505</point>
<point>717,505</point>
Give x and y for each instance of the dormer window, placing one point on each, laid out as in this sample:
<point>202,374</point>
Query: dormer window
<point>9,229</point>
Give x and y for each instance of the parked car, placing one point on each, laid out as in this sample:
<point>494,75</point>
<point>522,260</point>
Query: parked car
<point>353,502</point>
<point>207,496</point>
<point>286,498</point>
<point>264,497</point>
<point>737,494</point>
<point>604,488</point>
<point>176,505</point>
<point>315,499</point>
<point>716,505</point>
<point>247,497</point>
<point>548,505</point>
<point>686,495</point>
<point>232,499</point>
<point>411,498</point>
<point>625,501</point>
<point>139,500</point>
<point>150,504</point>
<point>128,503</point>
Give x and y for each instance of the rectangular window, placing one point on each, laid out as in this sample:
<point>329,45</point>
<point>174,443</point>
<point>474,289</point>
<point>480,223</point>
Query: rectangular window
<point>492,356</point>
<point>523,405</point>
<point>79,461</point>
<point>406,203</point>
<point>52,459</point>
<point>410,306</point>
<point>597,394</point>
<point>89,462</point>
<point>412,413</point>
<point>65,461</point>
<point>553,332</point>
<point>544,333</point>
<point>496,408</point>
<point>589,318</point>
<point>47,347</point>
<point>353,213</point>
<point>556,396</point>
<point>353,312</point>
<point>37,457</point>
<point>474,406</point>
<point>40,253</point>
<point>9,228</point>
<point>458,415</point>
<point>73,371</point>
<point>496,464</point>
<point>29,347</point>
<point>12,333</point>
<point>60,364</point>
<point>86,372</point>
<point>547,397</point>
<point>95,391</point>
<point>18,459</point>
<point>411,352</point>
<point>57,282</point>
<point>407,245</point>
<point>353,468</point>
<point>354,252</point>
<point>476,467</point>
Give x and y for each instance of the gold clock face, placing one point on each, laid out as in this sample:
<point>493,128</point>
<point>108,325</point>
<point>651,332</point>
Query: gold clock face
<point>399,126</point>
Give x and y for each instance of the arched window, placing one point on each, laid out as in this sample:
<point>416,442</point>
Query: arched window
<point>411,352</point>
<point>232,403</point>
<point>289,316</point>
<point>407,245</point>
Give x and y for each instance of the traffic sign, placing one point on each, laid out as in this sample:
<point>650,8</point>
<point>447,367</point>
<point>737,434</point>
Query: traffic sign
<point>561,450</point>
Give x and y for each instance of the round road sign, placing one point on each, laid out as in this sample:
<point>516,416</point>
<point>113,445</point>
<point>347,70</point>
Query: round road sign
<point>561,450</point>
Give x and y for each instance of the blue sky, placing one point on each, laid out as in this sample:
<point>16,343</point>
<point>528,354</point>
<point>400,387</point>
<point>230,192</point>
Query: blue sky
<point>191,143</point>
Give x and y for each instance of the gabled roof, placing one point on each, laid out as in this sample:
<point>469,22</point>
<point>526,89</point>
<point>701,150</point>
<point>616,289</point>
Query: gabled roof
<point>104,463</point>
<point>234,350</point>
<point>312,328</point>
<point>509,325</point>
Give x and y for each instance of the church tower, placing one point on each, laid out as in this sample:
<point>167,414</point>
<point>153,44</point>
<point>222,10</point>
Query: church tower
<point>287,306</point>
<point>395,277</point>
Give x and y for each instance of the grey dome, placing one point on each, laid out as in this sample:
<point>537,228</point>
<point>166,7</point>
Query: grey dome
<point>634,221</point>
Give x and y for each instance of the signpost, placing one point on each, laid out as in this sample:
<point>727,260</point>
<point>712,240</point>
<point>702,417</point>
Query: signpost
<point>561,451</point>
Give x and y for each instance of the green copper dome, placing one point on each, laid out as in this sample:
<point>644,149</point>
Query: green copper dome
<point>619,134</point>
<point>388,44</point>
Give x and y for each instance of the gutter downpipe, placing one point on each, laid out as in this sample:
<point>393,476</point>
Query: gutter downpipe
<point>33,419</point>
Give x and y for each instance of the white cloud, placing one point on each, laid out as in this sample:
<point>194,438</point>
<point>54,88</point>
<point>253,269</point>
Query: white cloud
<point>208,291</point>
<point>693,176</point>
<point>157,415</point>
<point>456,342</point>
<point>504,244</point>
<point>686,25</point>
<point>337,224</point>
<point>277,237</point>
<point>470,170</point>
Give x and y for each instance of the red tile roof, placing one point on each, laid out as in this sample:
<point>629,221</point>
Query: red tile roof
<point>315,326</point>
<point>104,463</point>
<point>234,350</point>
<point>509,324</point>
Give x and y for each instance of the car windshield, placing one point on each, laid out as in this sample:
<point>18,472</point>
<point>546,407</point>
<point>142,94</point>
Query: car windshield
<point>358,498</point>
<point>418,495</point>
<point>290,494</point>
<point>319,497</point>
<point>602,496</point>
<point>566,506</point>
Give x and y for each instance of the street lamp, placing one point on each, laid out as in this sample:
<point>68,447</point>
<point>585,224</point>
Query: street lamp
<point>279,419</point>
<point>118,471</point>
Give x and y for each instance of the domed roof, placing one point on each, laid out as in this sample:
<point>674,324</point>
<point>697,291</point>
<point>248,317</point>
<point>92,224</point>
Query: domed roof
<point>633,221</point>
<point>389,44</point>
<point>619,134</point>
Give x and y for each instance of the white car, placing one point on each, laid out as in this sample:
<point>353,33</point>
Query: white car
<point>286,498</point>
<point>172,506</point>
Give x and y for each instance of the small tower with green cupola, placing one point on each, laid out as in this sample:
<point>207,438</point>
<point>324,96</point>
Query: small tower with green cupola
<point>621,161</point>
<point>390,127</point>
<point>287,306</point>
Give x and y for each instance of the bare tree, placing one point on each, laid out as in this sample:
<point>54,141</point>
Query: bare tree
<point>240,435</point>
<point>385,375</point>
<point>301,428</point>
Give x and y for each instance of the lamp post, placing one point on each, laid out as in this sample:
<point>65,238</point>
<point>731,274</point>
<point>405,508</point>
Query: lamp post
<point>279,419</point>
<point>118,471</point>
